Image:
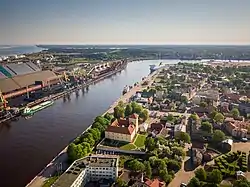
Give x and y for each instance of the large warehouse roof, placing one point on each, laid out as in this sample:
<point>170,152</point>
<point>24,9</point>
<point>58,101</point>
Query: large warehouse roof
<point>13,69</point>
<point>21,81</point>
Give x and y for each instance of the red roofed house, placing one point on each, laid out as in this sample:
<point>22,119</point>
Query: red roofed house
<point>123,129</point>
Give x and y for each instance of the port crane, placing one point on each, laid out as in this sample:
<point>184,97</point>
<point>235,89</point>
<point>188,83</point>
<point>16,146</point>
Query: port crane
<point>3,103</point>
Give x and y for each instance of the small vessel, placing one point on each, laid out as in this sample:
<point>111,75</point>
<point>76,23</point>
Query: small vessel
<point>125,90</point>
<point>155,67</point>
<point>28,111</point>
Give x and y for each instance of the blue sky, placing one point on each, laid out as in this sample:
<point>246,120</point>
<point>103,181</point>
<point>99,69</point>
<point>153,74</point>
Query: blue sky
<point>124,22</point>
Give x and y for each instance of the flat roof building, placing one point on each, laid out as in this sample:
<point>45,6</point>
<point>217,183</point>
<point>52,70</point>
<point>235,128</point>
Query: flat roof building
<point>91,168</point>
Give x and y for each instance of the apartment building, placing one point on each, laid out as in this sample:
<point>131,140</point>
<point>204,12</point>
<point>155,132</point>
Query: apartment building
<point>88,169</point>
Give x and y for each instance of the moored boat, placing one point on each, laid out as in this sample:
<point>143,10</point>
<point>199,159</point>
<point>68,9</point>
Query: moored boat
<point>125,90</point>
<point>28,111</point>
<point>155,67</point>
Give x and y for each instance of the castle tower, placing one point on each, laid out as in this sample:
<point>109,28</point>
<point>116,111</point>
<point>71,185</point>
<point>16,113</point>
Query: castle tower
<point>133,118</point>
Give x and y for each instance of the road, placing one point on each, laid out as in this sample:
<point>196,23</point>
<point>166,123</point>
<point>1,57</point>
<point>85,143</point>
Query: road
<point>51,168</point>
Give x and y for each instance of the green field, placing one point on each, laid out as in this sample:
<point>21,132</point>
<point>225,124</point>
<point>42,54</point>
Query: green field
<point>128,147</point>
<point>140,140</point>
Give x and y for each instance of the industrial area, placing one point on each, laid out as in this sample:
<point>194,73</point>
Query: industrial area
<point>27,86</point>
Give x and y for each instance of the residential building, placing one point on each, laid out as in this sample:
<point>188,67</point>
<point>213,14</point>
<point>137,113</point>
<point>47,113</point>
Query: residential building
<point>91,168</point>
<point>209,96</point>
<point>244,107</point>
<point>180,128</point>
<point>237,128</point>
<point>123,129</point>
<point>143,127</point>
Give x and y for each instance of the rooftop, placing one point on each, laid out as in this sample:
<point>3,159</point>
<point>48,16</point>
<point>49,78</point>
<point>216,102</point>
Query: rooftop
<point>78,166</point>
<point>122,126</point>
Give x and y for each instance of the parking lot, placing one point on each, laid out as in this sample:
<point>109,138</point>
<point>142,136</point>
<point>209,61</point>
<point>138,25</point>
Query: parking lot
<point>241,146</point>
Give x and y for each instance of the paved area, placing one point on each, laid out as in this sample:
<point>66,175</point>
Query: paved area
<point>125,97</point>
<point>241,146</point>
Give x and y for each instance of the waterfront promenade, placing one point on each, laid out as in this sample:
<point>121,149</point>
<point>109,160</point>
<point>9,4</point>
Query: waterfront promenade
<point>51,168</point>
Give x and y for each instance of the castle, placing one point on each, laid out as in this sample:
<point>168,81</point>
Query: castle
<point>123,129</point>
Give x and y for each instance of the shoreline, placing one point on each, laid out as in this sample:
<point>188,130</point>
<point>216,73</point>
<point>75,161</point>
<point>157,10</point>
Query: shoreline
<point>39,177</point>
<point>62,94</point>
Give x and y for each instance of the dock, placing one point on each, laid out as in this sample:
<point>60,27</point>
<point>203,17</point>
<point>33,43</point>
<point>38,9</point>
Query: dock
<point>62,94</point>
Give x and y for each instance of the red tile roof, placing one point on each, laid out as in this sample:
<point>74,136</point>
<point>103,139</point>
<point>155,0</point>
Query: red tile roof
<point>121,126</point>
<point>154,183</point>
<point>134,116</point>
<point>122,130</point>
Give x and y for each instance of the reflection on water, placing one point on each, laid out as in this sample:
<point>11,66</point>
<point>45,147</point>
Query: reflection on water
<point>29,145</point>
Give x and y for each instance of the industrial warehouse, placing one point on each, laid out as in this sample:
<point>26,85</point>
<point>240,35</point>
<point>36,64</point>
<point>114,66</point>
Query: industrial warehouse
<point>26,84</point>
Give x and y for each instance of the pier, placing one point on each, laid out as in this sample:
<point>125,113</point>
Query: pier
<point>66,92</point>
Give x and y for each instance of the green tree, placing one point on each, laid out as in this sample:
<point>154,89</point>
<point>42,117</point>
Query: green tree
<point>88,137</point>
<point>213,114</point>
<point>136,165</point>
<point>178,151</point>
<point>160,164</point>
<point>148,169</point>
<point>219,118</point>
<point>164,176</point>
<point>173,165</point>
<point>121,104</point>
<point>137,109</point>
<point>128,110</point>
<point>235,112</point>
<point>183,136</point>
<point>102,120</point>
<point>150,144</point>
<point>218,136</point>
<point>95,133</point>
<point>241,183</point>
<point>194,182</point>
<point>86,147</point>
<point>203,104</point>
<point>71,152</point>
<point>170,118</point>
<point>118,112</point>
<point>144,115</point>
<point>194,117</point>
<point>99,126</point>
<point>75,152</point>
<point>108,116</point>
<point>215,176</point>
<point>120,183</point>
<point>201,174</point>
<point>207,127</point>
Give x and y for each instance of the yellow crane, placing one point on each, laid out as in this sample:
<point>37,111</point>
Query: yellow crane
<point>66,78</point>
<point>3,102</point>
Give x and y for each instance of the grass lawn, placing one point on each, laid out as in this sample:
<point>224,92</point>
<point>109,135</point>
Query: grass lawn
<point>128,146</point>
<point>50,181</point>
<point>140,140</point>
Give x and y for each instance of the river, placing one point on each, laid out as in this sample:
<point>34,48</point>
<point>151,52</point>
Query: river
<point>18,50</point>
<point>27,146</point>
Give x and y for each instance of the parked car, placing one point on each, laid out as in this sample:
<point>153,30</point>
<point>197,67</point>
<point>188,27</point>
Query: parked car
<point>183,185</point>
<point>244,139</point>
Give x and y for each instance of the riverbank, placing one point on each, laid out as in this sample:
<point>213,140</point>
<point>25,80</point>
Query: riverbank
<point>50,169</point>
<point>62,94</point>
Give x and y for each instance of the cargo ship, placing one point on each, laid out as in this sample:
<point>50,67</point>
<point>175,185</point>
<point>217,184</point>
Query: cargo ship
<point>155,67</point>
<point>28,111</point>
